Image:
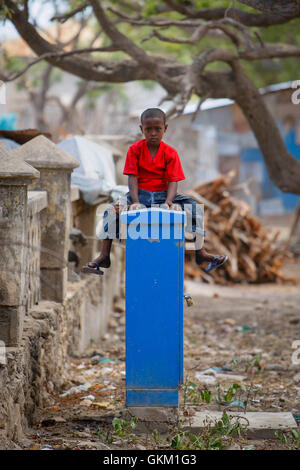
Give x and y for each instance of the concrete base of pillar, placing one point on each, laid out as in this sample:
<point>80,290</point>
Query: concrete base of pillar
<point>11,324</point>
<point>54,284</point>
<point>152,417</point>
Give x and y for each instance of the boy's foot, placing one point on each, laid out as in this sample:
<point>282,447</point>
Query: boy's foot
<point>214,260</point>
<point>94,266</point>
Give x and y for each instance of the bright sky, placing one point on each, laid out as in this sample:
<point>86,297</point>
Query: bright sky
<point>39,9</point>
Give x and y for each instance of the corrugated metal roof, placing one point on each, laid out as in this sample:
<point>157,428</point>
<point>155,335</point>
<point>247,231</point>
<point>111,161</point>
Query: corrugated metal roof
<point>211,103</point>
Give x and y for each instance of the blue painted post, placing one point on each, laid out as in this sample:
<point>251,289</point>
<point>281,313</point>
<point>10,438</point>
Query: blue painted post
<point>154,306</point>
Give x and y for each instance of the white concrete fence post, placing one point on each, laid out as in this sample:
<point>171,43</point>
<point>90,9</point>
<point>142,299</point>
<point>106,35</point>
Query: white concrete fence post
<point>55,167</point>
<point>15,176</point>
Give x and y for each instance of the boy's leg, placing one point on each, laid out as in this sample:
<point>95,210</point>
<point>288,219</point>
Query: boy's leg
<point>103,260</point>
<point>195,224</point>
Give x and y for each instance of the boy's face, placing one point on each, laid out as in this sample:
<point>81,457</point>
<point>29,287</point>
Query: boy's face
<point>153,129</point>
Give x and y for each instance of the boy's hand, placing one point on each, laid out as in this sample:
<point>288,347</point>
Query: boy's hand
<point>173,207</point>
<point>134,206</point>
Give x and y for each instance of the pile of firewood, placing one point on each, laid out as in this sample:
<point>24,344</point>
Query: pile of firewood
<point>255,256</point>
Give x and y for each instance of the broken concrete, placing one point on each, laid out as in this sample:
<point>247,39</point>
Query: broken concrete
<point>260,425</point>
<point>152,417</point>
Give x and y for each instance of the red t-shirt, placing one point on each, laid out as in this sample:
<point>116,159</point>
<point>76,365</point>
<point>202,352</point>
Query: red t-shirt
<point>154,174</point>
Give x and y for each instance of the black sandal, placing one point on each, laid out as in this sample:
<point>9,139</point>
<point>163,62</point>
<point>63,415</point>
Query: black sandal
<point>97,270</point>
<point>216,262</point>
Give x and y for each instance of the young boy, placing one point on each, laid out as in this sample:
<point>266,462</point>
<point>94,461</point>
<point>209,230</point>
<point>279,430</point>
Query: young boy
<point>153,170</point>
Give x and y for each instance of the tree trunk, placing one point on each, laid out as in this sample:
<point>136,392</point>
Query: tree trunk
<point>283,168</point>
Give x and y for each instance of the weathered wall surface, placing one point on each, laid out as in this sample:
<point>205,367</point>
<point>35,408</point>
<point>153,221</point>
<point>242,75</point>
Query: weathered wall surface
<point>43,317</point>
<point>38,367</point>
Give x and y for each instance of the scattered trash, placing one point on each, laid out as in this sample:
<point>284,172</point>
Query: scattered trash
<point>42,434</point>
<point>296,378</point>
<point>96,386</point>
<point>245,328</point>
<point>238,403</point>
<point>77,389</point>
<point>229,321</point>
<point>95,359</point>
<point>106,370</point>
<point>88,397</point>
<point>226,368</point>
<point>227,329</point>
<point>81,366</point>
<point>216,372</point>
<point>105,405</point>
<point>297,417</point>
<point>205,379</point>
<point>105,360</point>
<point>86,402</point>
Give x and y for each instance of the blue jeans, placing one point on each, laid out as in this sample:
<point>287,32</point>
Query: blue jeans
<point>194,212</point>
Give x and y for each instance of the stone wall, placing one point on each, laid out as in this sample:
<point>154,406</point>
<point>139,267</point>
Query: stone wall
<point>52,331</point>
<point>44,318</point>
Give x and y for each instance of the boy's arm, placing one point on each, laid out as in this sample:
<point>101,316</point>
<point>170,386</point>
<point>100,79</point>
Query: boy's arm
<point>172,191</point>
<point>133,188</point>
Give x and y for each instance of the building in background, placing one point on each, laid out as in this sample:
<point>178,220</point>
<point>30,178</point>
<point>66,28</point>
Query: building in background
<point>220,139</point>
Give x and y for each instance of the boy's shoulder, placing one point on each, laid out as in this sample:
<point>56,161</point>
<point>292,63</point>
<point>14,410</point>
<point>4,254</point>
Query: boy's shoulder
<point>138,144</point>
<point>168,149</point>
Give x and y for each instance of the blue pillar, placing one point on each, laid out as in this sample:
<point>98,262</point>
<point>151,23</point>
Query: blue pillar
<point>154,306</point>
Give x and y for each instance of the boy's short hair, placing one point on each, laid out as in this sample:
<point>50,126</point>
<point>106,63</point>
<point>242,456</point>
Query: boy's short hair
<point>153,113</point>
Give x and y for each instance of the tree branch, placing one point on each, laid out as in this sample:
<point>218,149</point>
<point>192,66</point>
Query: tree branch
<point>63,18</point>
<point>118,38</point>
<point>58,54</point>
<point>247,19</point>
<point>128,46</point>
<point>285,8</point>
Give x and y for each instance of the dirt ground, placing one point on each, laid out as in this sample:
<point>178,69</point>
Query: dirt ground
<point>244,331</point>
<point>227,326</point>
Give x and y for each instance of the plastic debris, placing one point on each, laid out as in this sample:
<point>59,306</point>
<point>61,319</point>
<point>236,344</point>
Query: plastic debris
<point>89,397</point>
<point>235,403</point>
<point>296,378</point>
<point>95,359</point>
<point>105,405</point>
<point>81,366</point>
<point>245,328</point>
<point>107,370</point>
<point>77,389</point>
<point>205,379</point>
<point>96,386</point>
<point>229,321</point>
<point>86,402</point>
<point>106,360</point>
